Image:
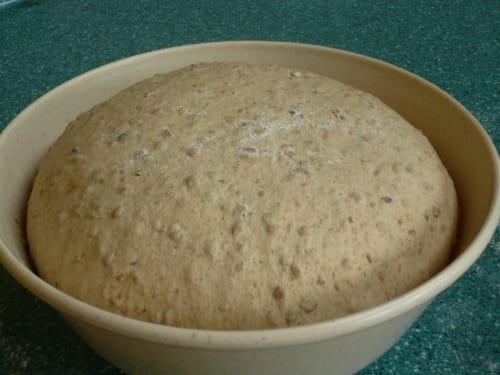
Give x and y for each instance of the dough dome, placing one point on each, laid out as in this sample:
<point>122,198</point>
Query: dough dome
<point>240,196</point>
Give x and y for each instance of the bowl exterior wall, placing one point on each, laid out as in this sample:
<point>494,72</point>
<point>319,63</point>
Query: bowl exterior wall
<point>340,355</point>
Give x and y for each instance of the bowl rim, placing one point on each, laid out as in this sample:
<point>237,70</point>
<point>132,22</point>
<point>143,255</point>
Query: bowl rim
<point>266,338</point>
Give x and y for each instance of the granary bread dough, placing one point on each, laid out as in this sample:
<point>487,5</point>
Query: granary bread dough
<point>234,196</point>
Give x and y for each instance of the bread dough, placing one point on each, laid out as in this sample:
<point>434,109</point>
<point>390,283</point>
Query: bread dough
<point>240,196</point>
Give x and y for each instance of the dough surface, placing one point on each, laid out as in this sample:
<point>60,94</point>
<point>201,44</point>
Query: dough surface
<point>239,196</point>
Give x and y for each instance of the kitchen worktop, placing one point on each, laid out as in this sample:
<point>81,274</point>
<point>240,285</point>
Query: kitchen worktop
<point>454,44</point>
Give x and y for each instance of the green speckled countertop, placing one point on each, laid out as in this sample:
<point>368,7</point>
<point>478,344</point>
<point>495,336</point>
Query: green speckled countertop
<point>454,44</point>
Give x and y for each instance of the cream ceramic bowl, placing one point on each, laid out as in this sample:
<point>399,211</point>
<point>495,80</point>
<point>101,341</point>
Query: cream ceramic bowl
<point>340,346</point>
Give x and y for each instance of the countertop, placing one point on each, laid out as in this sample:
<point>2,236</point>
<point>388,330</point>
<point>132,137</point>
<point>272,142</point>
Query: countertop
<point>454,44</point>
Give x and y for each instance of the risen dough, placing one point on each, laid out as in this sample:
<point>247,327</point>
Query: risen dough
<point>233,196</point>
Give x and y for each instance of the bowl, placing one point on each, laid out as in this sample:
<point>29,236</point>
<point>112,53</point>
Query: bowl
<point>339,346</point>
